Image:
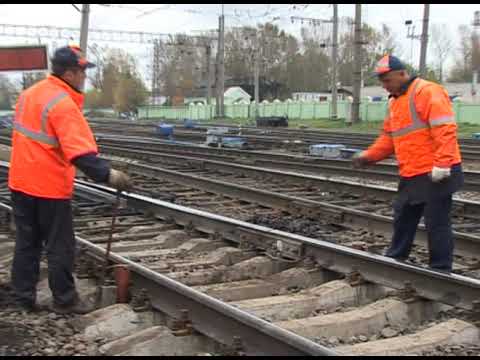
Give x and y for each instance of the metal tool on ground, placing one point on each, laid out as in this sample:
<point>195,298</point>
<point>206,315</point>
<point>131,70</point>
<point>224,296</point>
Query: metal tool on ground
<point>110,237</point>
<point>105,291</point>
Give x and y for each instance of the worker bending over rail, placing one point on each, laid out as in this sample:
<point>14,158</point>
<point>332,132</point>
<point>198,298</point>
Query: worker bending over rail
<point>420,129</point>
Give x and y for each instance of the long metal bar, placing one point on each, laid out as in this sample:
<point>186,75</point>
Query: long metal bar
<point>321,166</point>
<point>383,171</point>
<point>266,169</point>
<point>469,150</point>
<point>452,289</point>
<point>311,133</point>
<point>198,147</point>
<point>225,164</point>
<point>464,243</point>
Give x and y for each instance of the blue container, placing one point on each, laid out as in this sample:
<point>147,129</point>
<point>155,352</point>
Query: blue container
<point>165,130</point>
<point>476,135</point>
<point>189,123</point>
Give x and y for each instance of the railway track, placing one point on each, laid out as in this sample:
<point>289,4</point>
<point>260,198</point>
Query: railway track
<point>214,278</point>
<point>208,277</point>
<point>303,204</point>
<point>304,164</point>
<point>316,202</point>
<point>257,195</point>
<point>315,133</point>
<point>295,139</point>
<point>260,196</point>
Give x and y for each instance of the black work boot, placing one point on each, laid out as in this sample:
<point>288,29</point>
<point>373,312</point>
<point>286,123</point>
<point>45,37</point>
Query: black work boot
<point>29,306</point>
<point>78,307</point>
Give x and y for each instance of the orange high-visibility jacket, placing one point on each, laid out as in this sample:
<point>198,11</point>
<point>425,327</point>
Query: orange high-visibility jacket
<point>49,130</point>
<point>420,129</point>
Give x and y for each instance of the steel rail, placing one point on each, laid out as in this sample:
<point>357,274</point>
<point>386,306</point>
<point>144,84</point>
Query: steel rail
<point>316,133</point>
<point>209,316</point>
<point>311,134</point>
<point>465,244</point>
<point>381,192</point>
<point>381,171</point>
<point>452,289</point>
<point>271,140</point>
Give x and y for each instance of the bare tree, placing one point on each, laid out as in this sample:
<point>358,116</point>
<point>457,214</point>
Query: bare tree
<point>462,69</point>
<point>442,46</point>
<point>98,53</point>
<point>120,84</point>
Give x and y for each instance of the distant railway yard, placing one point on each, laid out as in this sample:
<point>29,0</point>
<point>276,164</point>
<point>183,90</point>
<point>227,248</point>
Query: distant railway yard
<point>249,241</point>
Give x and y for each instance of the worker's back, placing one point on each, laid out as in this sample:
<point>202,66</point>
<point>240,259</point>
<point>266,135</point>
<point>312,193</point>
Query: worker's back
<point>49,130</point>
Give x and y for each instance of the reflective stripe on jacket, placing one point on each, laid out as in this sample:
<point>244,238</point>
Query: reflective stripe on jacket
<point>49,130</point>
<point>420,129</point>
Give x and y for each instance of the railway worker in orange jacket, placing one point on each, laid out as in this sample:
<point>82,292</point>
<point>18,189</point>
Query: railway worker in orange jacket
<point>420,130</point>
<point>50,137</point>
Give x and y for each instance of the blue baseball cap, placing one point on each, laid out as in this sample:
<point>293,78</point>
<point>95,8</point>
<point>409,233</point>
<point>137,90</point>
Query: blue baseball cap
<point>71,56</point>
<point>388,63</point>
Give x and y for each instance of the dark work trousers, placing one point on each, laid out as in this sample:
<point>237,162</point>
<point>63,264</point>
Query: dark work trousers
<point>43,224</point>
<point>436,211</point>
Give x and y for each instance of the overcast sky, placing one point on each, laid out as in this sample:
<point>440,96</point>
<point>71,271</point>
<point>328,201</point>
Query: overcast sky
<point>190,18</point>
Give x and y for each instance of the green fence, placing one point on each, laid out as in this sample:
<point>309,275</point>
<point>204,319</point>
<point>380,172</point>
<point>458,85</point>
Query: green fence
<point>369,111</point>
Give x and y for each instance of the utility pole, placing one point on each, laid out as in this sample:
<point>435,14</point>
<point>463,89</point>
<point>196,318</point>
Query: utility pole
<point>334,61</point>
<point>208,51</point>
<point>357,64</point>
<point>257,77</point>
<point>475,54</point>
<point>221,66</point>
<point>84,28</point>
<point>155,71</point>
<point>423,51</point>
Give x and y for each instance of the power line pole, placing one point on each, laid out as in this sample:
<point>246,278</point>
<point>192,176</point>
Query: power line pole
<point>155,71</point>
<point>208,50</point>
<point>423,51</point>
<point>475,54</point>
<point>334,61</point>
<point>357,64</point>
<point>257,77</point>
<point>84,27</point>
<point>221,67</point>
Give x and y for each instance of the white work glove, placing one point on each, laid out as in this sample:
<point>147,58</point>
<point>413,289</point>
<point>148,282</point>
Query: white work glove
<point>119,180</point>
<point>438,174</point>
